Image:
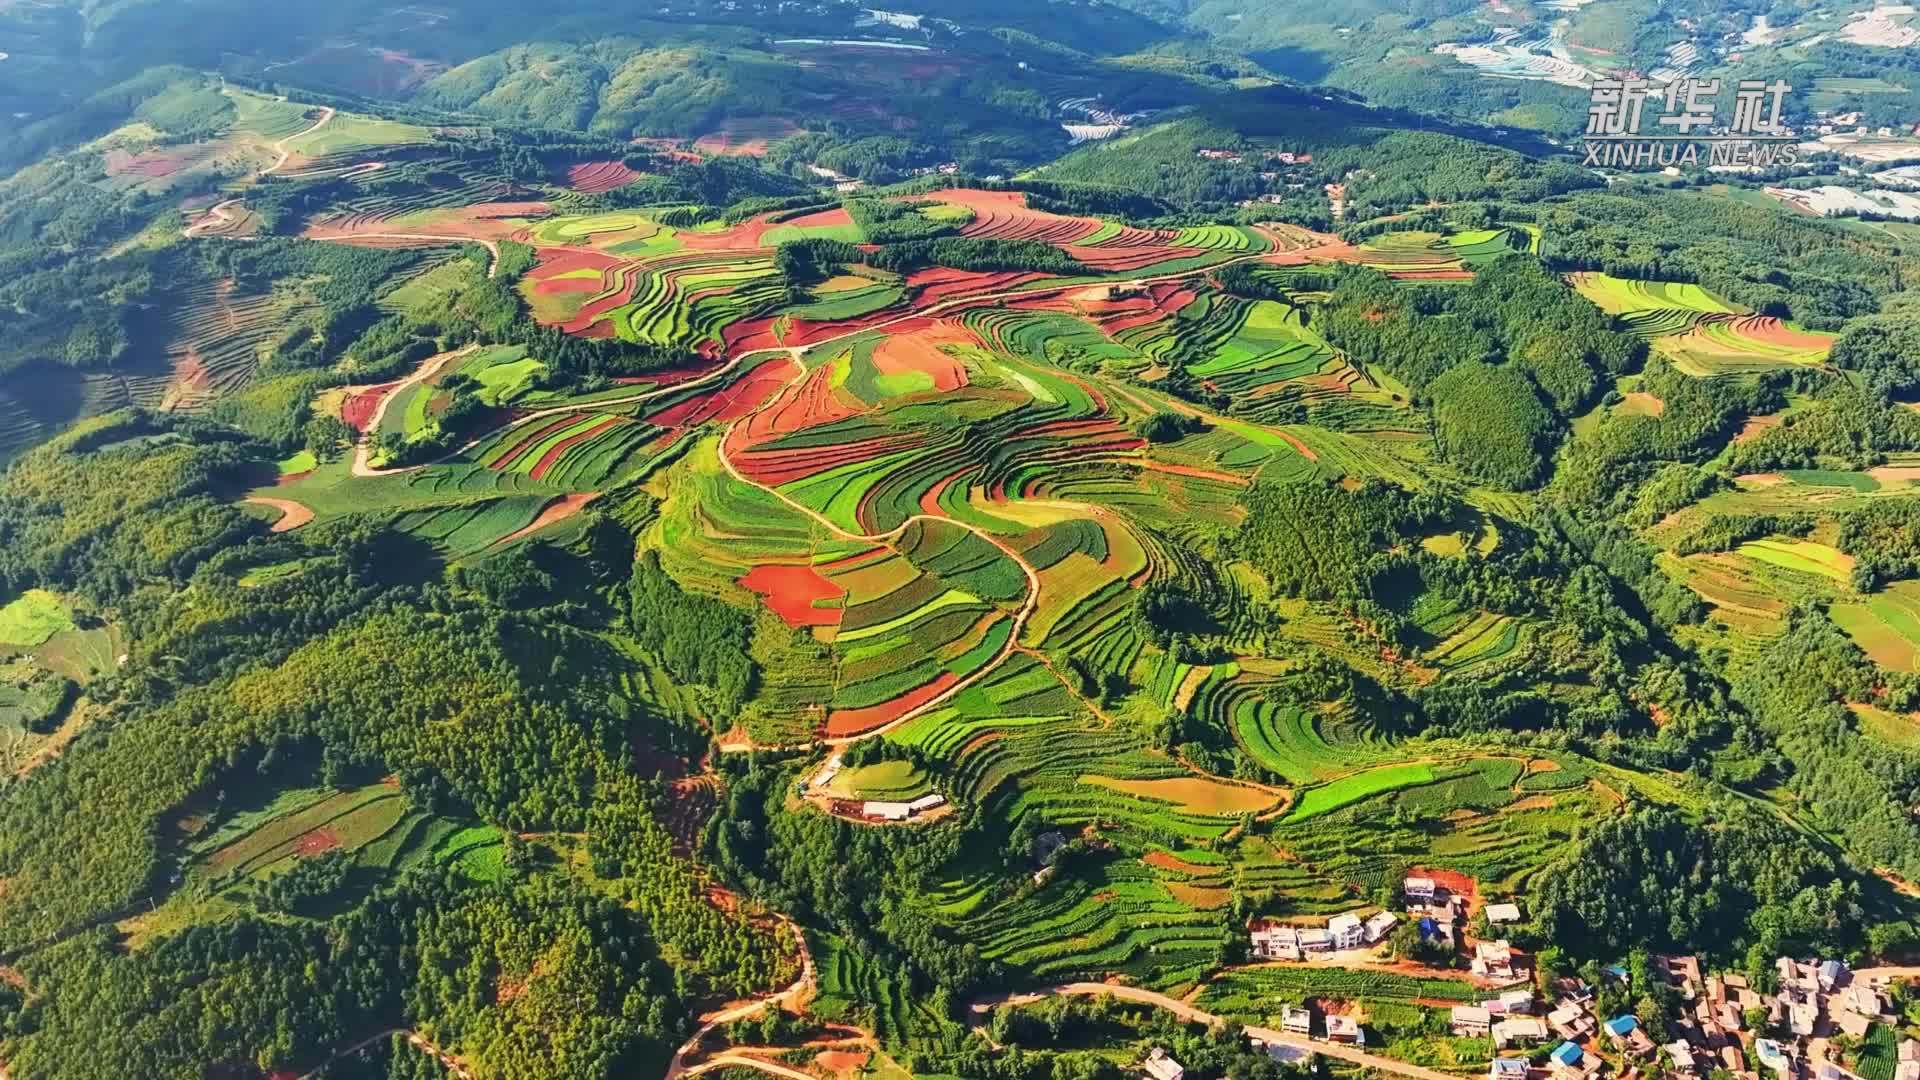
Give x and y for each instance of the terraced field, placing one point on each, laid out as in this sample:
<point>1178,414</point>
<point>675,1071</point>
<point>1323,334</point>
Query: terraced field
<point>931,494</point>
<point>1885,624</point>
<point>1701,333</point>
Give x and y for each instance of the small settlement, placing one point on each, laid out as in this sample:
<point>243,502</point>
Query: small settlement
<point>1816,1021</point>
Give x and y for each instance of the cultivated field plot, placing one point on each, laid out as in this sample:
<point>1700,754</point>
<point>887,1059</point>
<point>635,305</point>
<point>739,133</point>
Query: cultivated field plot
<point>1885,624</point>
<point>1416,255</point>
<point>1700,333</point>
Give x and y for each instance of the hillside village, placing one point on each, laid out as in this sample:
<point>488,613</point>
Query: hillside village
<point>1807,1020</point>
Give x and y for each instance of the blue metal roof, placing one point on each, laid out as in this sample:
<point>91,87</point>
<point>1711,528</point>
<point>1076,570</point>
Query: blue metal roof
<point>1568,1054</point>
<point>1622,1025</point>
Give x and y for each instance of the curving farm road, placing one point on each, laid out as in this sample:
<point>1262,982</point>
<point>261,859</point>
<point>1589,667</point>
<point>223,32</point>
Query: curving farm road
<point>795,995</point>
<point>284,147</point>
<point>492,246</point>
<point>292,514</point>
<point>219,215</point>
<point>363,450</point>
<point>739,1061</point>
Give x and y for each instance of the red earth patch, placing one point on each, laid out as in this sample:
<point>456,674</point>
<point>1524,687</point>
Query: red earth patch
<point>597,177</point>
<point>792,592</point>
<point>844,722</point>
<point>317,842</point>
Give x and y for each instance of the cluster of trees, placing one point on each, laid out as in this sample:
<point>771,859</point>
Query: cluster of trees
<point>1499,422</point>
<point>1842,424</point>
<point>1743,885</point>
<point>1491,422</point>
<point>1601,470</point>
<point>1884,539</point>
<point>805,262</point>
<point>477,698</point>
<point>1816,272</point>
<point>1885,350</point>
<point>1321,541</point>
<point>702,641</point>
<point>516,976</point>
<point>884,221</point>
<point>39,701</point>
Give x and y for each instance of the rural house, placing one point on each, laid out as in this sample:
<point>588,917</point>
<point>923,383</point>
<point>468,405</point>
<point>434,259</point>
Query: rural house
<point>1419,889</point>
<point>1275,942</point>
<point>1502,914</point>
<point>1511,1068</point>
<point>1516,1001</point>
<point>1471,1021</point>
<point>1519,1031</point>
<point>1832,975</point>
<point>1570,1021</point>
<point>1345,1029</point>
<point>1493,959</point>
<point>1380,925</point>
<point>1296,1020</point>
<point>1864,1000</point>
<point>1161,1066</point>
<point>1348,931</point>
<point>1625,1034</point>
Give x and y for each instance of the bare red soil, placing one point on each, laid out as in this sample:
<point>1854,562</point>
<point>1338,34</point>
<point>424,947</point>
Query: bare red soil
<point>746,136</point>
<point>920,351</point>
<point>552,262</point>
<point>730,402</point>
<point>566,286</point>
<point>821,219</point>
<point>292,514</point>
<point>531,439</point>
<point>792,591</point>
<point>152,164</point>
<point>558,450</point>
<point>317,842</point>
<point>597,177</point>
<point>842,722</point>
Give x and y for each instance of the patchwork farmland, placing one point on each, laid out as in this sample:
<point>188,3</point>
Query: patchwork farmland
<point>934,498</point>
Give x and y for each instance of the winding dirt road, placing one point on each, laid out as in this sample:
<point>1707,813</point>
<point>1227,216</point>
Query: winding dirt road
<point>740,1061</point>
<point>492,246</point>
<point>1191,1014</point>
<point>452,1064</point>
<point>292,514</point>
<point>793,995</point>
<point>219,214</point>
<point>284,147</point>
<point>363,450</point>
